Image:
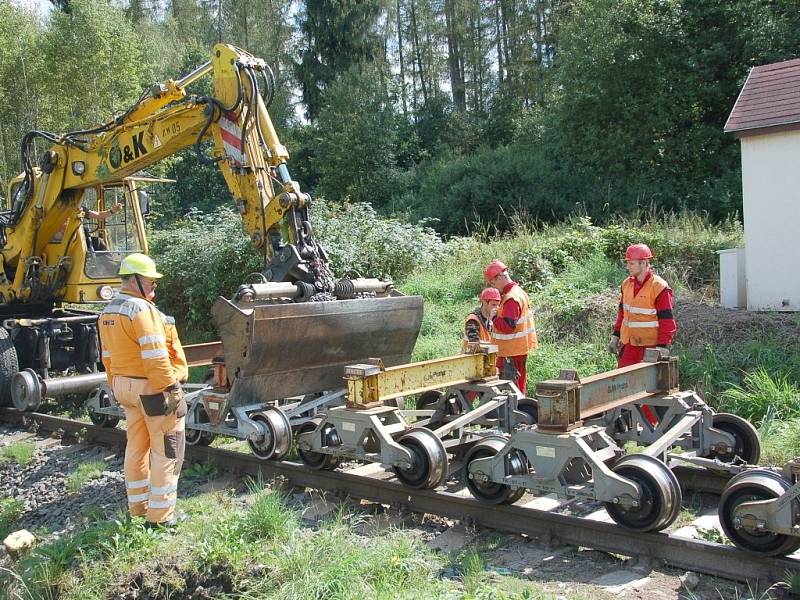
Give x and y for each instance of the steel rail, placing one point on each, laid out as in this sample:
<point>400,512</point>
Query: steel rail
<point>551,528</point>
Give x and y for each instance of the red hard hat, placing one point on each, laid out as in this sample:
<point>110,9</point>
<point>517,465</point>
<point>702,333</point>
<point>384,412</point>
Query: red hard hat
<point>490,294</point>
<point>638,252</point>
<point>494,269</point>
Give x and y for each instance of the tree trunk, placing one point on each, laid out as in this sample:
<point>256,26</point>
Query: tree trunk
<point>454,57</point>
<point>418,51</point>
<point>498,32</point>
<point>403,93</point>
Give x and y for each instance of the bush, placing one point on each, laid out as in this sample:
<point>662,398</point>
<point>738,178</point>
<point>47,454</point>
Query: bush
<point>488,185</point>
<point>555,250</point>
<point>360,241</point>
<point>684,246</point>
<point>202,257</point>
<point>205,256</point>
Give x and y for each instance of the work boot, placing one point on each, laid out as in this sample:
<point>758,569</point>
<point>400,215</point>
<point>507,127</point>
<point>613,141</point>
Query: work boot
<point>179,517</point>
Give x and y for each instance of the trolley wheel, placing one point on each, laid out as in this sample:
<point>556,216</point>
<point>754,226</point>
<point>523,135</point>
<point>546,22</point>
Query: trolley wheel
<point>429,464</point>
<point>530,408</point>
<point>319,460</point>
<point>752,486</point>
<point>9,365</point>
<point>198,437</point>
<point>277,437</point>
<point>490,492</point>
<point>102,419</point>
<point>660,500</point>
<point>748,445</point>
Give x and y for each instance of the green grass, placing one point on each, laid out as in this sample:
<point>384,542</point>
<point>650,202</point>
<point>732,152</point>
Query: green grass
<point>762,393</point>
<point>254,547</point>
<point>85,471</point>
<point>780,440</point>
<point>11,510</point>
<point>20,452</point>
<point>572,273</point>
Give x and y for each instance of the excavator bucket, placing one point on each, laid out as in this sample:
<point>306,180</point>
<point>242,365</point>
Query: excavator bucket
<point>275,351</point>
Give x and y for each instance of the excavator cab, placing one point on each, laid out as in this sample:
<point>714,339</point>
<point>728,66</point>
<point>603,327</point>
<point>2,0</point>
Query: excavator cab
<point>108,240</point>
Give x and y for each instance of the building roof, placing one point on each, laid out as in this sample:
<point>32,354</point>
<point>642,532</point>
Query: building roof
<point>769,98</point>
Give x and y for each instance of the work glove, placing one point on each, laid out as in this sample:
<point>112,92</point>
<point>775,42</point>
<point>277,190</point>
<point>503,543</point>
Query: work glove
<point>614,345</point>
<point>174,397</point>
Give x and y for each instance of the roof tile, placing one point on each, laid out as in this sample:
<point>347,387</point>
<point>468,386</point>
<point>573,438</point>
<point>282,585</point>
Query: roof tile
<point>770,97</point>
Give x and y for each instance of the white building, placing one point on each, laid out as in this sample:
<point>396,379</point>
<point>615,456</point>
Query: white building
<point>766,120</point>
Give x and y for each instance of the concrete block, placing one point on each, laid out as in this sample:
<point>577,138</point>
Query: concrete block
<point>318,509</point>
<point>452,540</point>
<point>548,502</point>
<point>618,582</point>
<point>600,515</point>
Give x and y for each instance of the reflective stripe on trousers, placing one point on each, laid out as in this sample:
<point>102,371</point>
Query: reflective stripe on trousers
<point>154,454</point>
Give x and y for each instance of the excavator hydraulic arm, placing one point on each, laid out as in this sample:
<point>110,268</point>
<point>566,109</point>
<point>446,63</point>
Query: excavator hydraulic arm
<point>276,343</point>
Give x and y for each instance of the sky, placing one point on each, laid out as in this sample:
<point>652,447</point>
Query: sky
<point>42,7</point>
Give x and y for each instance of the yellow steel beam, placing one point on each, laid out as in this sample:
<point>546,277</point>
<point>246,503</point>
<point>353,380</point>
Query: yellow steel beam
<point>369,385</point>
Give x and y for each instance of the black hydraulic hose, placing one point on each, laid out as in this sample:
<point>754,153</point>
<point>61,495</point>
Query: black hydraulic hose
<point>252,105</point>
<point>269,86</point>
<point>214,103</point>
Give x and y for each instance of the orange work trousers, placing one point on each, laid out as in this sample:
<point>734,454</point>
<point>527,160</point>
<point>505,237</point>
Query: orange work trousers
<point>154,453</point>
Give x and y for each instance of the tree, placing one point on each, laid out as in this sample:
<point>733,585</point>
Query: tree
<point>355,139</point>
<point>646,87</point>
<point>22,98</point>
<point>93,65</point>
<point>336,34</point>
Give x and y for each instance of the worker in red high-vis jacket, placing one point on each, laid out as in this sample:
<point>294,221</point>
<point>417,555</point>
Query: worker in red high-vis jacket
<point>644,317</point>
<point>513,329</point>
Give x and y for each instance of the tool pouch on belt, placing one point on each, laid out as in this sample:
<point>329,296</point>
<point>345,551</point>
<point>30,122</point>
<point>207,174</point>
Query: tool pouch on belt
<point>164,403</point>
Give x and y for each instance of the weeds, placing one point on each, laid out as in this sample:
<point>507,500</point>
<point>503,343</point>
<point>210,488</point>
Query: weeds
<point>11,510</point>
<point>21,452</point>
<point>761,394</point>
<point>200,472</point>
<point>713,534</point>
<point>85,472</point>
<point>780,439</point>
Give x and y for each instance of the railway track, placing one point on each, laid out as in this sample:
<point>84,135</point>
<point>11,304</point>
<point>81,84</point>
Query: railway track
<point>376,485</point>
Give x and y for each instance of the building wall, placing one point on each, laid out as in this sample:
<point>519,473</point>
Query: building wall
<point>771,189</point>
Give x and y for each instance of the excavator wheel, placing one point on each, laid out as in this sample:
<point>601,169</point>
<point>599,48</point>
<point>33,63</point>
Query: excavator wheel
<point>8,366</point>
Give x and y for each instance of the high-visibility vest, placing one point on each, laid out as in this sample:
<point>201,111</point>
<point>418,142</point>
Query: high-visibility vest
<point>484,334</point>
<point>640,318</point>
<point>134,341</point>
<point>523,339</point>
<point>177,357</point>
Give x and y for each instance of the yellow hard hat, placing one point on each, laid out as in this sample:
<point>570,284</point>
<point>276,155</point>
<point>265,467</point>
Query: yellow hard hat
<point>139,264</point>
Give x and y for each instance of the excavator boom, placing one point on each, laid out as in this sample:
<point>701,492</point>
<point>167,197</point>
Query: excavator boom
<point>285,335</point>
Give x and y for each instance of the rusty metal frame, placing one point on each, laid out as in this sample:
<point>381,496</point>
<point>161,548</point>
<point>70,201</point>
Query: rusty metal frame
<point>564,403</point>
<point>370,385</point>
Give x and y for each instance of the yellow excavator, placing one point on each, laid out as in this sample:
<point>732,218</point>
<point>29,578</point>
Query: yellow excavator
<point>289,334</point>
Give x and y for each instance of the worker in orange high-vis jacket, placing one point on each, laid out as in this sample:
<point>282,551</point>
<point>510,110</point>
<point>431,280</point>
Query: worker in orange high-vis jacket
<point>478,325</point>
<point>513,331</point>
<point>644,318</point>
<point>145,364</point>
